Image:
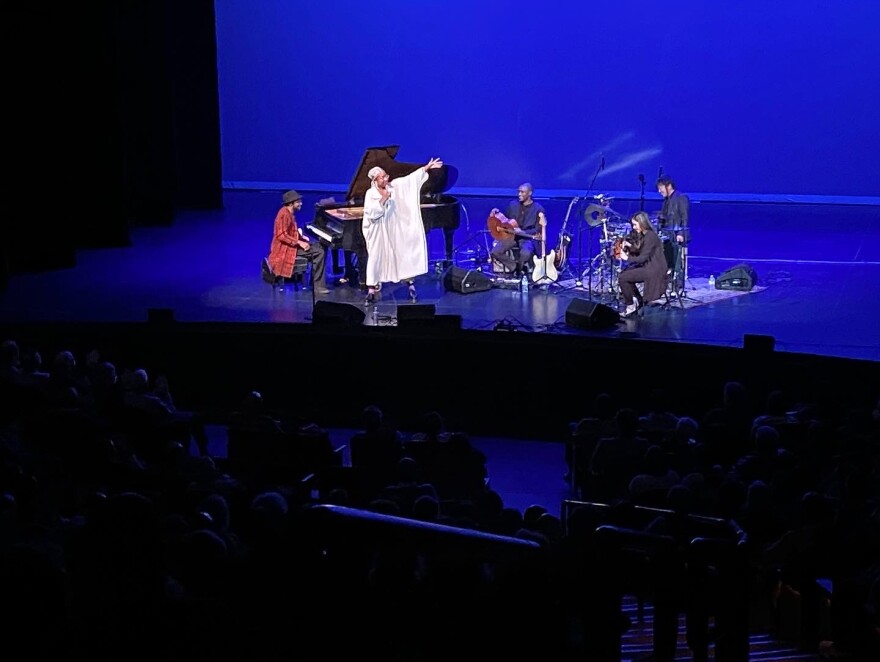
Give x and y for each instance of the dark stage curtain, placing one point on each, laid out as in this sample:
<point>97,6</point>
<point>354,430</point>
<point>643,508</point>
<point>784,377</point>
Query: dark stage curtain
<point>112,123</point>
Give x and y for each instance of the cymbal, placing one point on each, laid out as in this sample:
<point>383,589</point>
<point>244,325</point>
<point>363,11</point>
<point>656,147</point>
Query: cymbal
<point>595,215</point>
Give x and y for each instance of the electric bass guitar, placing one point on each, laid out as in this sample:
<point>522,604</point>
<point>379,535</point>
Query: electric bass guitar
<point>545,266</point>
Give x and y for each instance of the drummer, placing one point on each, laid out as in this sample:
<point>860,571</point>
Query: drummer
<point>673,217</point>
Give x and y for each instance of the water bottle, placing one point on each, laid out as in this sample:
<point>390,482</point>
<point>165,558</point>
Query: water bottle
<point>524,284</point>
<point>711,280</point>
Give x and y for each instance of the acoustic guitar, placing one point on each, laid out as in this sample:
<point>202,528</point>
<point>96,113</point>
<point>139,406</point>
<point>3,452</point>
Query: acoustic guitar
<point>545,266</point>
<point>500,227</point>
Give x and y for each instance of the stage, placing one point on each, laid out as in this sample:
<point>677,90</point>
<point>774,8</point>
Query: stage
<point>816,265</point>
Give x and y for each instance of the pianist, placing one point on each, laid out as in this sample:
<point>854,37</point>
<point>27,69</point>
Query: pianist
<point>288,241</point>
<point>394,232</point>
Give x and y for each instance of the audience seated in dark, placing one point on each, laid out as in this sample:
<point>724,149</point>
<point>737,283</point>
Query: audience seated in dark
<point>407,488</point>
<point>377,446</point>
<point>172,545</point>
<point>655,478</point>
<point>616,458</point>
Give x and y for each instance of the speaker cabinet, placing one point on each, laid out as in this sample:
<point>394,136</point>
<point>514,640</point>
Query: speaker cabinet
<point>416,315</point>
<point>741,278</point>
<point>456,279</point>
<point>423,317</point>
<point>585,314</point>
<point>337,314</point>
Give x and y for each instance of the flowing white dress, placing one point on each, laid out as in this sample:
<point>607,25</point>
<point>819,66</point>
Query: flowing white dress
<point>397,248</point>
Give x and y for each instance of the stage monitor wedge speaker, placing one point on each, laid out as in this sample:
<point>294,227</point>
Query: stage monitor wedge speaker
<point>463,281</point>
<point>741,278</point>
<point>753,342</point>
<point>416,315</point>
<point>424,317</point>
<point>585,314</point>
<point>337,314</point>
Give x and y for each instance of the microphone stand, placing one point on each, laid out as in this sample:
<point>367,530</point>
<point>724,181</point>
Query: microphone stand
<point>580,282</point>
<point>642,194</point>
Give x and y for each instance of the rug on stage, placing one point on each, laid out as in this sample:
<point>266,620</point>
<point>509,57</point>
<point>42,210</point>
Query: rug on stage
<point>698,292</point>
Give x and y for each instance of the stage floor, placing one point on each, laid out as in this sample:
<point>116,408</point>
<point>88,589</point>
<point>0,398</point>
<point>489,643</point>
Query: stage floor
<point>817,268</point>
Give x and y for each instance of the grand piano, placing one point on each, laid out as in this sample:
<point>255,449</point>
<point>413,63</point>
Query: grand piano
<point>338,224</point>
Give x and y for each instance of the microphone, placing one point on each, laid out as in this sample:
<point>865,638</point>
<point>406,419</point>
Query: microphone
<point>641,178</point>
<point>660,172</point>
<point>602,165</point>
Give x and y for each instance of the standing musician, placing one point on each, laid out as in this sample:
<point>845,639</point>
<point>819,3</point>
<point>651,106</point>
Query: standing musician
<point>674,217</point>
<point>675,212</point>
<point>647,266</point>
<point>523,214</point>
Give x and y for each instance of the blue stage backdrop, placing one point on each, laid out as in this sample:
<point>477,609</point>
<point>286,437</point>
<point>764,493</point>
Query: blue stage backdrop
<point>736,99</point>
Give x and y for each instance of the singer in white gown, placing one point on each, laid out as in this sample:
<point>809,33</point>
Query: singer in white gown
<point>397,247</point>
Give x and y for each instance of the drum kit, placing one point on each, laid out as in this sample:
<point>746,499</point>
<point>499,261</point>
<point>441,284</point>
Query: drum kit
<point>603,269</point>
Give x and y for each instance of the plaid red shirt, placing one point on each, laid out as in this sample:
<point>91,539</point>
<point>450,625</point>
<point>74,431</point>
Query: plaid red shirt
<point>282,252</point>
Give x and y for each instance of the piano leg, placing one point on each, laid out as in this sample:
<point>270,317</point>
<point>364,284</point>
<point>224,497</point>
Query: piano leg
<point>334,255</point>
<point>447,236</point>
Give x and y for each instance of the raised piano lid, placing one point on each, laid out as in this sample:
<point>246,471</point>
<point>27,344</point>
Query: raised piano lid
<point>439,179</point>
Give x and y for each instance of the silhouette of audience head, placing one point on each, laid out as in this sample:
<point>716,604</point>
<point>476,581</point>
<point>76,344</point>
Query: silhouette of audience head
<point>104,374</point>
<point>432,424</point>
<point>138,381</point>
<point>627,420</point>
<point>371,418</point>
<point>531,515</point>
<point>426,508</point>
<point>252,403</point>
<point>10,355</point>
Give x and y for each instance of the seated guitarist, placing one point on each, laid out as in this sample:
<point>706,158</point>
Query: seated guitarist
<point>522,215</point>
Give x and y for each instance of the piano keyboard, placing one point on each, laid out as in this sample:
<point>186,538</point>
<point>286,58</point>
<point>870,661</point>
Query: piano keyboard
<point>323,235</point>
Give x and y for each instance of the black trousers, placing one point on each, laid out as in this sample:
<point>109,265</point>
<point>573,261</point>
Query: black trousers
<point>523,255</point>
<point>317,255</point>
